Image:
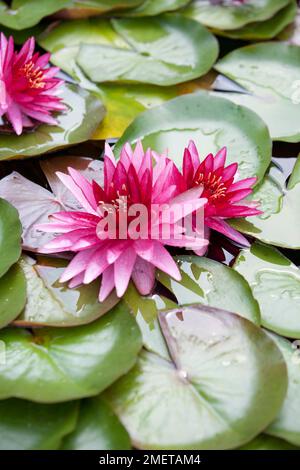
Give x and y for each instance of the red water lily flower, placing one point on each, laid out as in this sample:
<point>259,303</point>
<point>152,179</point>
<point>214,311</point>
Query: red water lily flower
<point>28,86</point>
<point>225,194</point>
<point>106,250</point>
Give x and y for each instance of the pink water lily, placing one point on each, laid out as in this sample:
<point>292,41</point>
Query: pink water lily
<point>225,193</point>
<point>28,87</point>
<point>104,251</point>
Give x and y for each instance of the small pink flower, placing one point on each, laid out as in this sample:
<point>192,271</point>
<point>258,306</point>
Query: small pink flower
<point>108,253</point>
<point>225,195</point>
<point>28,86</point>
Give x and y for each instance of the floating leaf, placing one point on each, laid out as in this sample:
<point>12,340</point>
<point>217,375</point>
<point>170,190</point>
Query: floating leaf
<point>264,442</point>
<point>287,423</point>
<point>153,7</point>
<point>31,426</point>
<point>50,303</point>
<point>213,123</point>
<point>275,283</point>
<point>97,428</point>
<point>269,73</point>
<point>25,13</point>
<point>10,236</point>
<point>164,50</point>
<point>208,282</point>
<point>35,203</point>
<point>77,124</point>
<point>280,222</point>
<point>226,382</point>
<point>51,365</point>
<point>292,33</point>
<point>86,8</point>
<point>233,16</point>
<point>12,295</point>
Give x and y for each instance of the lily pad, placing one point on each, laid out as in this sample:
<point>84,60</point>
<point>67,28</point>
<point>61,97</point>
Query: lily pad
<point>226,382</point>
<point>280,222</point>
<point>97,428</point>
<point>77,124</point>
<point>163,50</point>
<point>275,283</point>
<point>87,8</point>
<point>263,30</point>
<point>264,442</point>
<point>50,365</point>
<point>22,14</point>
<point>10,236</point>
<point>291,34</point>
<point>211,283</point>
<point>12,295</point>
<point>269,74</point>
<point>212,123</point>
<point>233,16</point>
<point>153,7</point>
<point>287,423</point>
<point>50,303</point>
<point>31,426</point>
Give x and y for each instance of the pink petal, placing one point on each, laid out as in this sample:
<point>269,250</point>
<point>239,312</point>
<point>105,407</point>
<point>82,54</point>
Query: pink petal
<point>107,283</point>
<point>123,268</point>
<point>221,226</point>
<point>143,276</point>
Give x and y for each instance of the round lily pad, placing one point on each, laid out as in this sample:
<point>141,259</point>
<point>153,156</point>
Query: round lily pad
<point>235,15</point>
<point>275,283</point>
<point>22,14</point>
<point>32,426</point>
<point>211,283</point>
<point>287,423</point>
<point>225,383</point>
<point>212,123</point>
<point>269,74</point>
<point>77,124</point>
<point>51,303</point>
<point>280,222</point>
<point>154,7</point>
<point>52,365</point>
<point>263,30</point>
<point>97,428</point>
<point>10,236</point>
<point>163,50</point>
<point>265,442</point>
<point>87,8</point>
<point>12,295</point>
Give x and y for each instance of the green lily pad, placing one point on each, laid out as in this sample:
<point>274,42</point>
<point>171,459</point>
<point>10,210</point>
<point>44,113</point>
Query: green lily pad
<point>275,283</point>
<point>264,442</point>
<point>153,7</point>
<point>212,123</point>
<point>164,50</point>
<point>233,16</point>
<point>280,222</point>
<point>86,8</point>
<point>10,236</point>
<point>226,382</point>
<point>51,365</point>
<point>77,124</point>
<point>51,303</point>
<point>269,73</point>
<point>97,428</point>
<point>208,282</point>
<point>31,426</point>
<point>25,13</point>
<point>287,423</point>
<point>12,295</point>
<point>263,30</point>
<point>291,34</point>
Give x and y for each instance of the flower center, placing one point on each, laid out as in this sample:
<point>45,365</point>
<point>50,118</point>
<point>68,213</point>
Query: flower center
<point>214,188</point>
<point>34,75</point>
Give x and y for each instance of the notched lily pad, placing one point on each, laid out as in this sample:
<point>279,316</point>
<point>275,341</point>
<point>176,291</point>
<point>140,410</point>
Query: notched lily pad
<point>50,365</point>
<point>226,382</point>
<point>275,283</point>
<point>84,113</point>
<point>21,14</point>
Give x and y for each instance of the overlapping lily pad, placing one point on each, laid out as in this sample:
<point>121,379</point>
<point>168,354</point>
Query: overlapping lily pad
<point>287,423</point>
<point>235,15</point>
<point>275,283</point>
<point>50,303</point>
<point>269,74</point>
<point>52,365</point>
<point>280,222</point>
<point>154,7</point>
<point>211,283</point>
<point>84,113</point>
<point>10,236</point>
<point>97,428</point>
<point>12,295</point>
<point>265,442</point>
<point>226,382</point>
<point>212,123</point>
<point>86,8</point>
<point>31,426</point>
